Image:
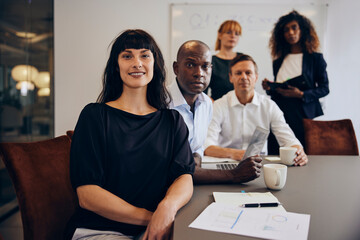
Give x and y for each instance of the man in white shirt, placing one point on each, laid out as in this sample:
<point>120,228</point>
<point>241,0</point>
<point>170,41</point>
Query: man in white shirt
<point>193,71</point>
<point>239,112</point>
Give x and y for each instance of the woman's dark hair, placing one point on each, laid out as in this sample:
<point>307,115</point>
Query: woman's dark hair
<point>157,95</point>
<point>308,38</point>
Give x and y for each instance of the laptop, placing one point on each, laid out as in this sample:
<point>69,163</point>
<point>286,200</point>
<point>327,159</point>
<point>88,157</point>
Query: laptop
<point>257,142</point>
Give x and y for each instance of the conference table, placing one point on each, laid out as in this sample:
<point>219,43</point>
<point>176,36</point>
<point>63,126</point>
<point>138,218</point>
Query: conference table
<point>327,188</point>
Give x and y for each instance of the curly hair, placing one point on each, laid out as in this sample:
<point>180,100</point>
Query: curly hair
<point>309,40</point>
<point>156,94</point>
<point>229,25</point>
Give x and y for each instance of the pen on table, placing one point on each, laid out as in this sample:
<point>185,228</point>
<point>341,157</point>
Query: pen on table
<point>256,205</point>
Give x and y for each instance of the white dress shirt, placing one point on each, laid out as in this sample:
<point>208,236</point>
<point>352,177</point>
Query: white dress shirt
<point>198,124</point>
<point>233,123</point>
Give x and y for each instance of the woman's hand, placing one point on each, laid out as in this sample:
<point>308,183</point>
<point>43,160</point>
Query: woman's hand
<point>292,92</point>
<point>265,84</point>
<point>161,223</point>
<point>301,158</point>
<point>108,205</point>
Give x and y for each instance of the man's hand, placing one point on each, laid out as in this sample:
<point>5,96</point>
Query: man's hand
<point>292,92</point>
<point>220,152</point>
<point>247,170</point>
<point>301,158</point>
<point>236,154</point>
<point>265,84</point>
<point>161,223</point>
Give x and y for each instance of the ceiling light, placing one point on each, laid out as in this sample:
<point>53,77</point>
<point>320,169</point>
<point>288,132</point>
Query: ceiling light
<point>24,73</point>
<point>43,92</point>
<point>25,34</point>
<point>25,85</point>
<point>42,80</point>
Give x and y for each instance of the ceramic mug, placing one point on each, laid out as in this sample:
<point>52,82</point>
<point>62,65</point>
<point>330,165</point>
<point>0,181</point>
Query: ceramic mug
<point>275,175</point>
<point>287,155</point>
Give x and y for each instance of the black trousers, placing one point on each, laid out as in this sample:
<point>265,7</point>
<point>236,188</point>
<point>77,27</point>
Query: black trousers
<point>294,115</point>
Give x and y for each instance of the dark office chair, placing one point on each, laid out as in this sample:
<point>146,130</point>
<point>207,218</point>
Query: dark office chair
<point>330,137</point>
<point>40,174</point>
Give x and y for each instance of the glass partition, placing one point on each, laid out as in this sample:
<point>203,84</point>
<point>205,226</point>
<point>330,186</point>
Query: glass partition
<point>26,78</point>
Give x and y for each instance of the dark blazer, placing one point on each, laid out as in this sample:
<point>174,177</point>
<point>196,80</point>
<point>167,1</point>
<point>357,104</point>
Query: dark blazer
<point>314,69</point>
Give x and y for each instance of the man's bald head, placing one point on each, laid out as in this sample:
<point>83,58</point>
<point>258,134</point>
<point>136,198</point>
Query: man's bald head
<point>190,45</point>
<point>193,69</point>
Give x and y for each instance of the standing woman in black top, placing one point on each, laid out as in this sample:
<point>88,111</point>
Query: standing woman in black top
<point>131,164</point>
<point>294,47</point>
<point>227,39</point>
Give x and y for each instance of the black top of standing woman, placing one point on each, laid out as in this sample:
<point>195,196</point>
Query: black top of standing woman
<point>227,38</point>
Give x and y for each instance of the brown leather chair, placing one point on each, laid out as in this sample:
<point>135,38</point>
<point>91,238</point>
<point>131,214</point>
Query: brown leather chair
<point>70,133</point>
<point>40,174</point>
<point>330,137</point>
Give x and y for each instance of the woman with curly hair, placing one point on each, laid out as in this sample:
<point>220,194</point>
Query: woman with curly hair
<point>294,47</point>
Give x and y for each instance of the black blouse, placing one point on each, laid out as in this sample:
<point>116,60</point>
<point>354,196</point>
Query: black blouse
<point>132,156</point>
<point>220,83</point>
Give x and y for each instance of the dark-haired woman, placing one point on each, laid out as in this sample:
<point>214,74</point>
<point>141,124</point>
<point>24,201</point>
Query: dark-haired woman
<point>294,47</point>
<point>131,163</point>
<point>227,38</point>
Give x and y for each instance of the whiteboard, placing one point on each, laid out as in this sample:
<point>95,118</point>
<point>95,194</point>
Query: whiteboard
<point>201,22</point>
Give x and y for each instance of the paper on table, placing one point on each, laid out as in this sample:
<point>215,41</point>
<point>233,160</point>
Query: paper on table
<point>225,218</point>
<point>208,159</point>
<point>273,159</point>
<point>238,199</point>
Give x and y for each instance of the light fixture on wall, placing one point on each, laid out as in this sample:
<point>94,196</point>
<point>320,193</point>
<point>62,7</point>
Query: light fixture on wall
<point>42,80</point>
<point>24,73</point>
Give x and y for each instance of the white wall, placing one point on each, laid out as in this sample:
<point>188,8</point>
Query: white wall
<point>85,28</point>
<point>342,55</point>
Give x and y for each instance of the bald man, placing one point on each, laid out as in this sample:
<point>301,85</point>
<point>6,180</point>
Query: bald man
<point>193,71</point>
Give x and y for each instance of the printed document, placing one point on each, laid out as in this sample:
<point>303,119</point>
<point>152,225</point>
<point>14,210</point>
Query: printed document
<point>265,224</point>
<point>237,198</point>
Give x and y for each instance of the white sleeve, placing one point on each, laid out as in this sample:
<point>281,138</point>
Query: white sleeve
<point>214,129</point>
<point>283,133</point>
<point>200,151</point>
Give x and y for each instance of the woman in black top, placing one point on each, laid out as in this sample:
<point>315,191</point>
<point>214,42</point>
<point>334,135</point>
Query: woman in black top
<point>227,39</point>
<point>294,47</point>
<point>131,163</point>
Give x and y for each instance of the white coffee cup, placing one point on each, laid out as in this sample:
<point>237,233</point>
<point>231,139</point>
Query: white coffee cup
<point>275,175</point>
<point>287,155</point>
